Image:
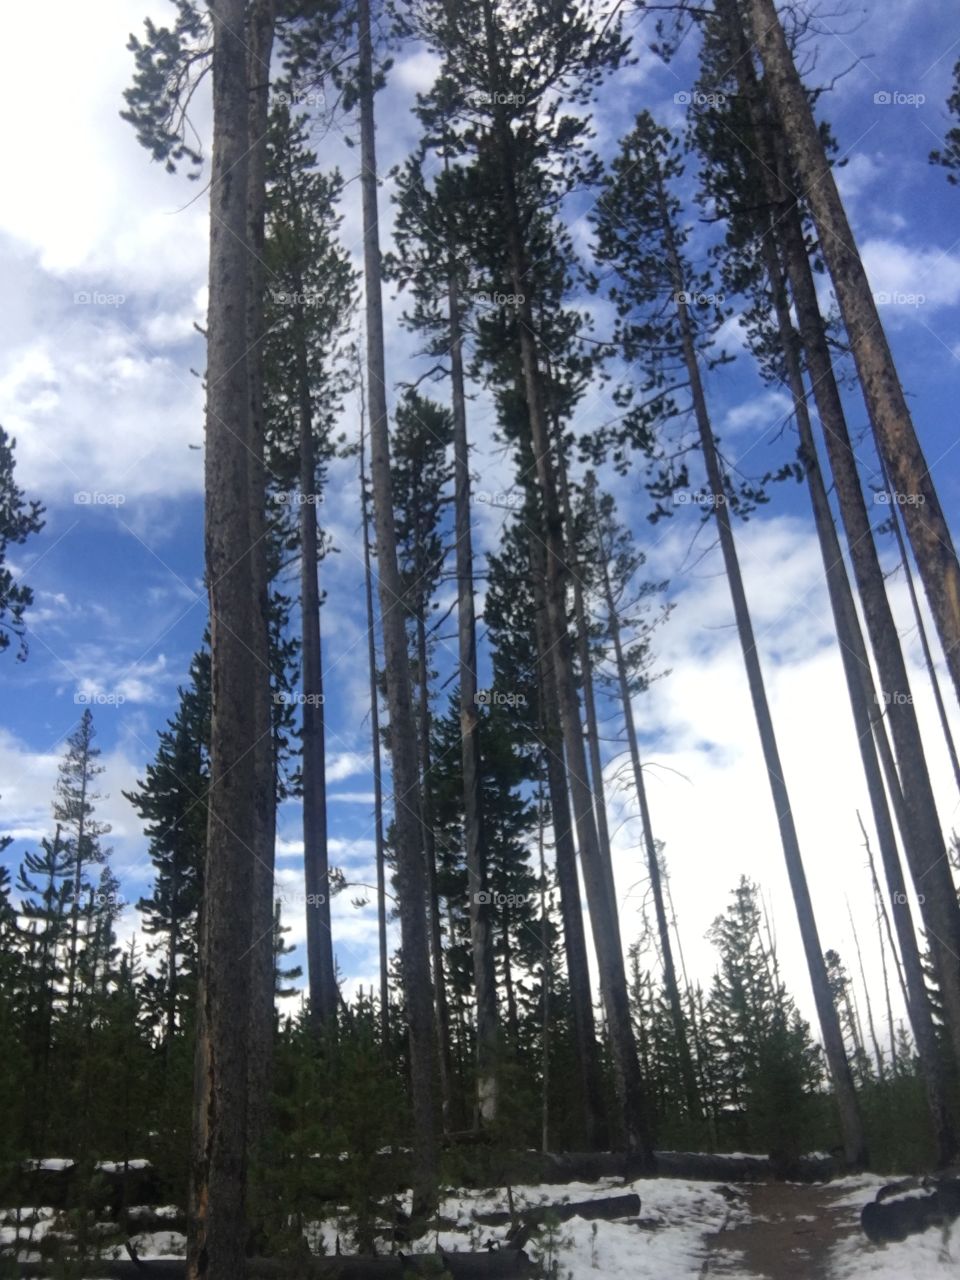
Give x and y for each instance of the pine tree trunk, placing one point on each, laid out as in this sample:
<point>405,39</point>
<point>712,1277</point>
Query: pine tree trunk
<point>868,722</point>
<point>921,626</point>
<point>634,1120</point>
<point>896,438</point>
<point>403,735</point>
<point>260,18</point>
<point>481,940</point>
<point>586,679</point>
<point>851,1122</point>
<point>219,1168</point>
<point>321,971</point>
<point>691,1091</point>
<point>442,1012</point>
<point>919,823</point>
<point>375,752</point>
<point>568,881</point>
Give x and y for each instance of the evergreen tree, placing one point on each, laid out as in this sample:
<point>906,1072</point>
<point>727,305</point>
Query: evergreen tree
<point>171,802</point>
<point>765,1064</point>
<point>73,809</point>
<point>19,518</point>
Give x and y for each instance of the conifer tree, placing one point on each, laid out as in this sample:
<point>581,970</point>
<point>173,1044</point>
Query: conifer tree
<point>73,809</point>
<point>19,518</point>
<point>661,304</point>
<point>308,309</point>
<point>171,801</point>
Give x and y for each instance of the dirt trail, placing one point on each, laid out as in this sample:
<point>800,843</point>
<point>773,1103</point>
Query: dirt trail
<point>789,1237</point>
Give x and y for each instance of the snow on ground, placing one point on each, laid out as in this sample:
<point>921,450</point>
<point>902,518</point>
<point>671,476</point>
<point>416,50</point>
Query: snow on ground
<point>928,1256</point>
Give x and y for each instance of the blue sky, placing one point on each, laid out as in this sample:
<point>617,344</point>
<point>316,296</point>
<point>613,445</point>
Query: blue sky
<point>103,258</point>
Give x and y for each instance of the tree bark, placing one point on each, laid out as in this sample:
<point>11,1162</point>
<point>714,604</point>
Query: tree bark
<point>407,815</point>
<point>568,881</point>
<point>897,441</point>
<point>481,938</point>
<point>375,752</point>
<point>219,1164</point>
<point>321,970</point>
<point>259,38</point>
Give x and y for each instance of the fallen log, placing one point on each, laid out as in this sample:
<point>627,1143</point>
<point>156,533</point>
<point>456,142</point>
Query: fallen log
<point>603,1208</point>
<point>496,1265</point>
<point>890,1218</point>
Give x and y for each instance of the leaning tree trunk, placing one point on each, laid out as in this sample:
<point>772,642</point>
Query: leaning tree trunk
<point>635,1121</point>
<point>868,722</point>
<point>928,661</point>
<point>375,751</point>
<point>481,935</point>
<point>690,1087</point>
<point>321,971</point>
<point>896,437</point>
<point>219,1165</point>
<point>586,679</point>
<point>259,36</point>
<point>411,873</point>
<point>851,1122</point>
<point>920,827</point>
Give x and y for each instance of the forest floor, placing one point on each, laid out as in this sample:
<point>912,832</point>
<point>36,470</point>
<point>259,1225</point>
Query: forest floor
<point>686,1231</point>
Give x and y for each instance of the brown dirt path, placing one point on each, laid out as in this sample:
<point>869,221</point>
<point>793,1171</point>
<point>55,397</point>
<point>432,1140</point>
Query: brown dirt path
<point>789,1237</point>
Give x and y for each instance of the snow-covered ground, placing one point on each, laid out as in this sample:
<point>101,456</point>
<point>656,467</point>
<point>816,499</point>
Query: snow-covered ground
<point>928,1256</point>
<point>678,1224</point>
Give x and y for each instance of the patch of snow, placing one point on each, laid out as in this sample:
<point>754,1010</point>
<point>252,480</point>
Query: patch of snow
<point>154,1245</point>
<point>159,1211</point>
